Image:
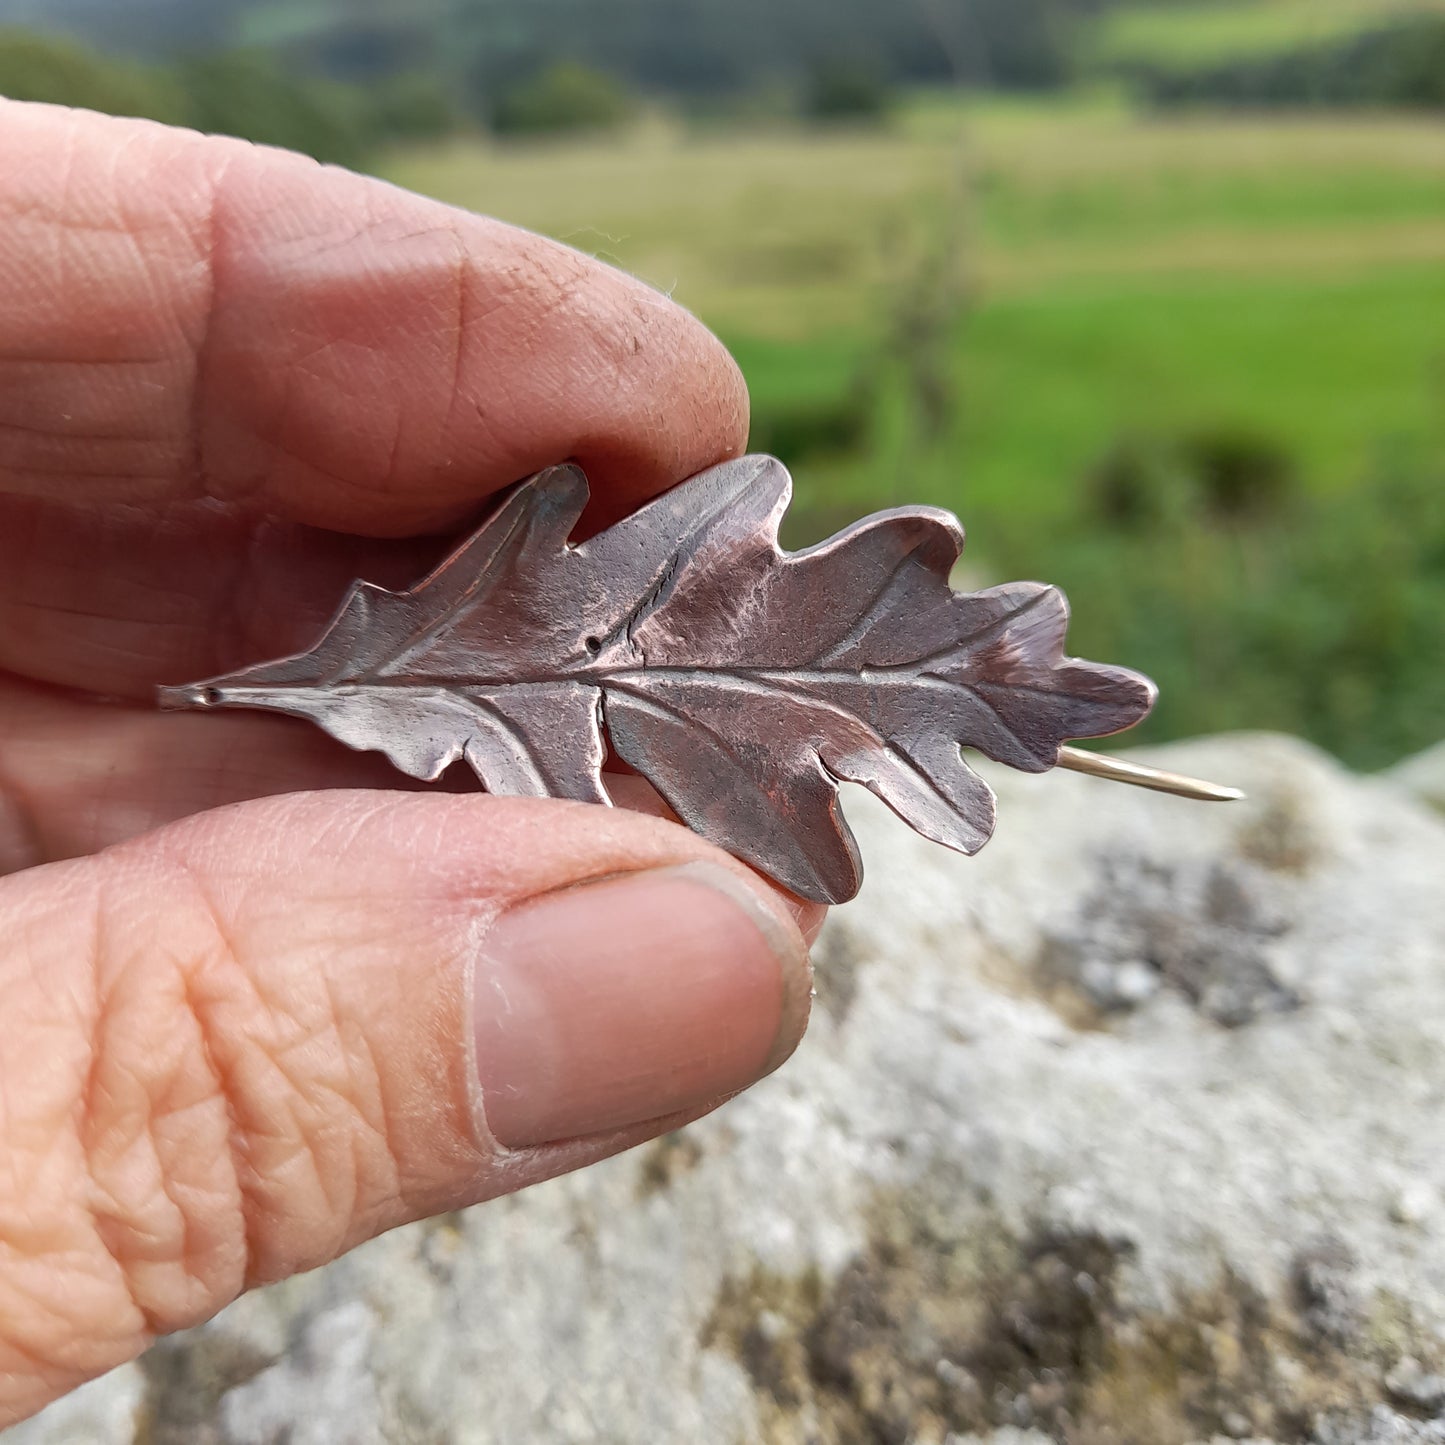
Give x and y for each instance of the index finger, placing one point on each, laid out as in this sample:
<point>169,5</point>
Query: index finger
<point>185,317</point>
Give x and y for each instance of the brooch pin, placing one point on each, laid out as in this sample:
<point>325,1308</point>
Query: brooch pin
<point>744,682</point>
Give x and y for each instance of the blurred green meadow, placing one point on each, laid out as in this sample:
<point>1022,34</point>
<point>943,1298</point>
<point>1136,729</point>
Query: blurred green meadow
<point>1192,368</point>
<point>1150,292</point>
<point>1201,30</point>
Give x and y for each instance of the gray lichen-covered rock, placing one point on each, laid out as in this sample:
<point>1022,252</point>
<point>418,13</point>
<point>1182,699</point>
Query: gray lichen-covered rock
<point>1130,1131</point>
<point>1424,775</point>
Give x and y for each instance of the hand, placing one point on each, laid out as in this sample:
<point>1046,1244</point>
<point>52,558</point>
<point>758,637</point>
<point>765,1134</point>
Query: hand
<point>246,1027</point>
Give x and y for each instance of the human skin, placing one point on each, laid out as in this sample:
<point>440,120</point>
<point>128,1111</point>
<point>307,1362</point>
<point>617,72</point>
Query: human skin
<point>260,1001</point>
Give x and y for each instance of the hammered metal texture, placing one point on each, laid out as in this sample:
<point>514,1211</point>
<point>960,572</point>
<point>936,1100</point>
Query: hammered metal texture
<point>743,681</point>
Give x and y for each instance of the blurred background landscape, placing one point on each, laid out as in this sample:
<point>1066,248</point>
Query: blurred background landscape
<point>1151,294</point>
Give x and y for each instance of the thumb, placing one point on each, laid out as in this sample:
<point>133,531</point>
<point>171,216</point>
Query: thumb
<point>240,1045</point>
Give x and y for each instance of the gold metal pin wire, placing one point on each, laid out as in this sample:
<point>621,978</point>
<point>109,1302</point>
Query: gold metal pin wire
<point>1116,770</point>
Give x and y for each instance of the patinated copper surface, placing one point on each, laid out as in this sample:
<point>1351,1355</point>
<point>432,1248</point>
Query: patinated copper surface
<point>743,681</point>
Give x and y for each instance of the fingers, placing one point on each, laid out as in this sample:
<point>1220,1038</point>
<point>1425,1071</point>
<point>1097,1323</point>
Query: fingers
<point>240,1045</point>
<point>209,351</point>
<point>189,317</point>
<point>112,598</point>
<point>76,777</point>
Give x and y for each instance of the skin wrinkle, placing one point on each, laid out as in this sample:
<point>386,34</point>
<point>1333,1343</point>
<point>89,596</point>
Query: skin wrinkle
<point>393,452</point>
<point>303,1093</point>
<point>84,1108</point>
<point>193,322</point>
<point>21,840</point>
<point>81,362</point>
<point>83,448</point>
<point>222,1083</point>
<point>276,1073</point>
<point>36,1363</point>
<point>364,1083</point>
<point>319,248</point>
<point>290,415</point>
<point>140,586</point>
<point>236,618</point>
<point>389,1123</point>
<point>168,1112</point>
<point>58,1365</point>
<point>462,269</point>
<point>158,298</point>
<point>49,434</point>
<point>205,239</point>
<point>275,439</point>
<point>239,628</point>
<point>130,1330</point>
<point>287,1059</point>
<point>182,1251</point>
<point>90,273</point>
<point>27,604</point>
<point>116,1234</point>
<point>57,219</point>
<point>46,477</point>
<point>497,293</point>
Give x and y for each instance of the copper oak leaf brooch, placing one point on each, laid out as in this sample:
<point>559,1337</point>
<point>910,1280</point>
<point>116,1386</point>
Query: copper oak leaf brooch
<point>744,682</point>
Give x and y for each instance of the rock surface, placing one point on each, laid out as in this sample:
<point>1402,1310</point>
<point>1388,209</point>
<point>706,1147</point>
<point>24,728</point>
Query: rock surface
<point>1424,775</point>
<point>1130,1131</point>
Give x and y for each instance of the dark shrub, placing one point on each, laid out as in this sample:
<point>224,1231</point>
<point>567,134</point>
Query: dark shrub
<point>246,94</point>
<point>1239,475</point>
<point>846,91</point>
<point>1402,64</point>
<point>807,430</point>
<point>412,107</point>
<point>564,97</point>
<point>1223,474</point>
<point>1127,488</point>
<point>34,67</point>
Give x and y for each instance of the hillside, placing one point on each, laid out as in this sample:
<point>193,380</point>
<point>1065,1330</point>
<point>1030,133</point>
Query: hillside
<point>671,44</point>
<point>1200,32</point>
<point>1233,49</point>
<point>142,27</point>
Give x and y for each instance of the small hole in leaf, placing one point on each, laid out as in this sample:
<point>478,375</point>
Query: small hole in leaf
<point>211,696</point>
<point>593,645</point>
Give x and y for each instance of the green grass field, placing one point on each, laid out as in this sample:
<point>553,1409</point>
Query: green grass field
<point>1288,277</point>
<point>1072,280</point>
<point>1214,30</point>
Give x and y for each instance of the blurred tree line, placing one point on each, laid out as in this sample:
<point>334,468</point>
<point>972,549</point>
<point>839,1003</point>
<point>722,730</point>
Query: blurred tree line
<point>1398,64</point>
<point>673,45</point>
<point>244,93</point>
<point>337,78</point>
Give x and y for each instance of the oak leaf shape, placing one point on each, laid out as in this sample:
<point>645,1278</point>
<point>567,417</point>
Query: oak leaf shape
<point>743,681</point>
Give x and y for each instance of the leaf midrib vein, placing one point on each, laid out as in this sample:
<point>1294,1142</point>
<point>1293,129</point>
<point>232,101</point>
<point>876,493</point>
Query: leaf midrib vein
<point>600,677</point>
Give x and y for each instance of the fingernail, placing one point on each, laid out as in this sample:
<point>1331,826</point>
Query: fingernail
<point>619,1002</point>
